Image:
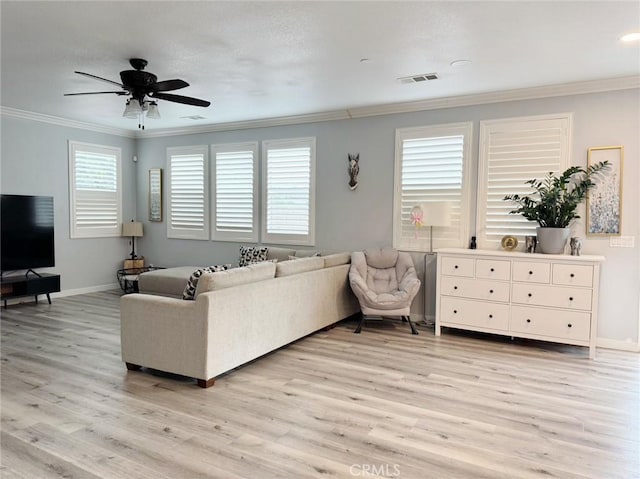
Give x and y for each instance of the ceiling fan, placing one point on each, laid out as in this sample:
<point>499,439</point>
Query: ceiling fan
<point>140,85</point>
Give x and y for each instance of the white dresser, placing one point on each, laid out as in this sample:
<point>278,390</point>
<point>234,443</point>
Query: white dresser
<point>536,296</point>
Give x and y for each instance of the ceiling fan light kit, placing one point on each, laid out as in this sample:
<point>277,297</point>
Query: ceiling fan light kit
<point>143,89</point>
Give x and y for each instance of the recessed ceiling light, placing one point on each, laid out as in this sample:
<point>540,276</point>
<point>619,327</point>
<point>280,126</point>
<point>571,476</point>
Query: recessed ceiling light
<point>630,37</point>
<point>460,63</point>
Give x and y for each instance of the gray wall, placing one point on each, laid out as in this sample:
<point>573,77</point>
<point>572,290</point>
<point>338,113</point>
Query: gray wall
<point>35,162</point>
<point>350,220</point>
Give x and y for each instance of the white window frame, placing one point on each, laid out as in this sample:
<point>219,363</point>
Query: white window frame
<point>226,235</point>
<point>188,233</point>
<point>291,239</point>
<point>422,243</point>
<point>77,231</point>
<point>560,121</point>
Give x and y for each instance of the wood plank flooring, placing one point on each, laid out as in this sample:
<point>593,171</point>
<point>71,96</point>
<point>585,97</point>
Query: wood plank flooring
<point>383,403</point>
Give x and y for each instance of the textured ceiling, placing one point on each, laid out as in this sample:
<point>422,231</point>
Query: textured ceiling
<point>258,60</point>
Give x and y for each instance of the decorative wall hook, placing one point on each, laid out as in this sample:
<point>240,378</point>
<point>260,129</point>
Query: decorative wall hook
<point>354,169</point>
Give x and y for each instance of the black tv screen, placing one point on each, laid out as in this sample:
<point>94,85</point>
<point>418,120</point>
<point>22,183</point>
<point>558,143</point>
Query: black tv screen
<point>26,229</point>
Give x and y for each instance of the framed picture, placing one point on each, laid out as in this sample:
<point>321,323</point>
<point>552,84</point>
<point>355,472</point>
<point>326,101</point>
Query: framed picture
<point>604,201</point>
<point>155,194</point>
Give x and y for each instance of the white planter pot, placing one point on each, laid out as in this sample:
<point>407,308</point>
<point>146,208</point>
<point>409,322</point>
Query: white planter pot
<point>552,240</point>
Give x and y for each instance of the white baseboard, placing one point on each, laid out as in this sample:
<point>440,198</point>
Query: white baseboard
<point>90,289</point>
<point>64,293</point>
<point>617,344</point>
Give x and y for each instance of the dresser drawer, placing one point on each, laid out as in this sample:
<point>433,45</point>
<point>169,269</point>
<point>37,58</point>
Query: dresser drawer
<point>531,272</point>
<point>475,288</point>
<point>493,269</point>
<point>572,274</point>
<point>562,325</point>
<point>555,296</point>
<point>477,314</point>
<point>457,266</point>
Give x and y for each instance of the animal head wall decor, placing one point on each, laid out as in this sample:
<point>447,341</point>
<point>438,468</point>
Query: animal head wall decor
<point>354,169</point>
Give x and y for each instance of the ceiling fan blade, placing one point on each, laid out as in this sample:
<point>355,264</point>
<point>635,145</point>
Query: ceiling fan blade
<point>187,100</point>
<point>100,78</point>
<point>97,93</point>
<point>169,85</point>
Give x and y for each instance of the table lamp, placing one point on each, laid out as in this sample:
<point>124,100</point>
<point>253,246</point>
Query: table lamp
<point>132,229</point>
<point>436,213</point>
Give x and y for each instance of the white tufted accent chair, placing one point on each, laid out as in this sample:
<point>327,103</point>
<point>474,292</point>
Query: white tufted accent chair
<point>385,282</point>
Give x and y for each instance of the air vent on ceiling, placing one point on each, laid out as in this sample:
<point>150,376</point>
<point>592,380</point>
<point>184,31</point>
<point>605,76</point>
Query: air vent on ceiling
<point>418,78</point>
<point>193,117</point>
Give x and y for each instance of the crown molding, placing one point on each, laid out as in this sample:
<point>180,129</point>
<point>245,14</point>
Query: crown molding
<point>548,91</point>
<point>55,120</point>
<point>245,125</point>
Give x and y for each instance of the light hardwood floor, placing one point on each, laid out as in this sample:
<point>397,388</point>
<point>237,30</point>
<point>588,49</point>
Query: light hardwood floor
<point>384,403</point>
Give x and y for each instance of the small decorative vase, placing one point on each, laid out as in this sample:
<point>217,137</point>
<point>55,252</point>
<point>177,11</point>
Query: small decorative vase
<point>552,240</point>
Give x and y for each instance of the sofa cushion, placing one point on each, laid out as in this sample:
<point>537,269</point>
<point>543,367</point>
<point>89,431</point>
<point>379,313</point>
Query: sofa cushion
<point>287,268</point>
<point>337,259</point>
<point>252,254</point>
<point>235,277</point>
<point>303,253</point>
<point>165,282</point>
<point>192,283</point>
<point>280,254</point>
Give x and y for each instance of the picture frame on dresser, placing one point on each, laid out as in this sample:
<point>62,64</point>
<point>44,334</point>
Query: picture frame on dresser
<point>604,200</point>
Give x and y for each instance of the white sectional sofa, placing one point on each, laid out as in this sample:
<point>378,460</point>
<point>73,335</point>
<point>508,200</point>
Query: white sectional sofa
<point>238,315</point>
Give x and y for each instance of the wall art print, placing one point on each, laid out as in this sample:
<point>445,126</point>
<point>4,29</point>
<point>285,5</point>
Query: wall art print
<point>155,194</point>
<point>604,201</point>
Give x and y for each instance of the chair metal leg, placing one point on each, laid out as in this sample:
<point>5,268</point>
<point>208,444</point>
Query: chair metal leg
<point>413,328</point>
<point>359,327</point>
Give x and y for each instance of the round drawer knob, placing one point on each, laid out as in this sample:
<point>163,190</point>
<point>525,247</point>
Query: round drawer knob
<point>455,311</point>
<point>528,320</point>
<point>570,298</point>
<point>455,267</point>
<point>455,287</point>
<point>529,295</point>
<point>490,316</point>
<point>530,272</point>
<point>491,291</point>
<point>569,325</point>
<point>492,270</point>
<point>572,275</point>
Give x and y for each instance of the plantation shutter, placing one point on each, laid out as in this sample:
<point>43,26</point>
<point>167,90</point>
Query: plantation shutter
<point>95,192</point>
<point>513,151</point>
<point>235,196</point>
<point>289,192</point>
<point>431,167</point>
<point>188,193</point>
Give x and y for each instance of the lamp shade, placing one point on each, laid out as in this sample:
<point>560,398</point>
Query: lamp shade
<point>133,109</point>
<point>153,111</point>
<point>133,228</point>
<point>437,213</point>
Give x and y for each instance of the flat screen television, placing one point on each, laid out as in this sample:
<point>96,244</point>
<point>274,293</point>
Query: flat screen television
<point>26,232</point>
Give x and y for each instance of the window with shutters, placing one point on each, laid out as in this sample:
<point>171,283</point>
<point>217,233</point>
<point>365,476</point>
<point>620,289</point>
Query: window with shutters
<point>188,195</point>
<point>431,166</point>
<point>288,189</point>
<point>235,192</point>
<point>513,151</point>
<point>95,190</point>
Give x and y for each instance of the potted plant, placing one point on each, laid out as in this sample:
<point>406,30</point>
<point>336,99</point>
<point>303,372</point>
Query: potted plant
<point>553,204</point>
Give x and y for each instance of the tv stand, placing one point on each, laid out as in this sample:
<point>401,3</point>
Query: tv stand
<point>24,285</point>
